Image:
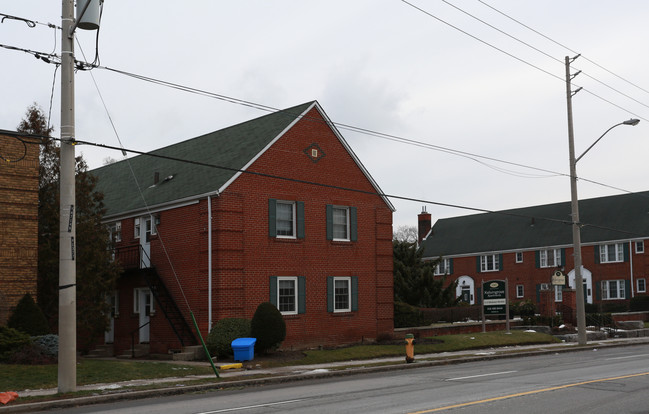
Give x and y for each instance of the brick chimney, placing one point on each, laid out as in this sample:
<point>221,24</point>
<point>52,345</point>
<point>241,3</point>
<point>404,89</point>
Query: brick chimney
<point>424,224</point>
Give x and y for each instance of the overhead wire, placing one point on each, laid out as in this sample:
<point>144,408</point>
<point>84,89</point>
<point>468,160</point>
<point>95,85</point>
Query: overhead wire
<point>329,186</point>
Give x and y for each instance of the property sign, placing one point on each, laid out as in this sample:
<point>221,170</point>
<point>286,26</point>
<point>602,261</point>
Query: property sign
<point>558,278</point>
<point>494,297</point>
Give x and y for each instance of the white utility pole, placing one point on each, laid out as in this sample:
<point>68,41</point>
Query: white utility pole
<point>67,369</point>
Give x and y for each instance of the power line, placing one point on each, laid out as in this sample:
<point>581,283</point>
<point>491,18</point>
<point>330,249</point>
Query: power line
<point>313,183</point>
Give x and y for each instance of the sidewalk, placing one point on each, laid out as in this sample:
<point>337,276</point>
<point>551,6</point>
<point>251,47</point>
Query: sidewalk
<point>254,376</point>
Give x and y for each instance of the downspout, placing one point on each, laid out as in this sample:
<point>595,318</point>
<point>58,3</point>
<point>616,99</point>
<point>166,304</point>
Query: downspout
<point>631,265</point>
<point>209,263</point>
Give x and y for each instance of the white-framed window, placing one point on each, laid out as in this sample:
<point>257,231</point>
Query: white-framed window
<point>490,263</point>
<point>558,293</point>
<point>342,294</point>
<point>443,267</point>
<point>340,217</point>
<point>285,219</point>
<point>550,258</point>
<point>639,246</point>
<point>610,253</point>
<point>613,289</point>
<point>113,302</point>
<point>520,291</point>
<point>519,257</point>
<point>136,228</point>
<point>641,285</point>
<point>115,231</point>
<point>143,301</point>
<point>287,295</point>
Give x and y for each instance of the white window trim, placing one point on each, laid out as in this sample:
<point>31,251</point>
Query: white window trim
<point>644,283</point>
<point>621,292</point>
<point>295,298</point>
<point>495,262</point>
<point>543,258</point>
<point>558,293</point>
<point>520,291</point>
<point>347,224</point>
<point>442,268</point>
<point>293,221</point>
<point>349,294</point>
<point>619,253</point>
<point>640,244</point>
<point>136,228</point>
<point>521,257</point>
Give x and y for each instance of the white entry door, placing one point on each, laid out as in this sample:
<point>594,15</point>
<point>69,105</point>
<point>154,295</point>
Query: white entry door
<point>143,231</point>
<point>109,335</point>
<point>143,306</point>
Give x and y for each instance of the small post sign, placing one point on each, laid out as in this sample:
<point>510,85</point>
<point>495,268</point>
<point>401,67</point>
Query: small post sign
<point>495,300</point>
<point>494,297</point>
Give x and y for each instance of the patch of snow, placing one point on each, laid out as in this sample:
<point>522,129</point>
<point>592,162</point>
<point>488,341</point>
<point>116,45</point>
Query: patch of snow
<point>109,387</point>
<point>530,330</point>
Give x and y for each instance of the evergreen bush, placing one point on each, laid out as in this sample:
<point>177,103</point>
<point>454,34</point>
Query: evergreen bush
<point>223,333</point>
<point>28,317</point>
<point>268,327</point>
<point>639,304</point>
<point>406,316</point>
<point>11,341</point>
<point>49,343</point>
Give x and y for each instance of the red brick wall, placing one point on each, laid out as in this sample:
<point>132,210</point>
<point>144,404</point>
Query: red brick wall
<point>18,223</point>
<point>244,257</point>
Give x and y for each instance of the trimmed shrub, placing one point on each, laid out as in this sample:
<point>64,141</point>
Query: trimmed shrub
<point>639,304</point>
<point>11,341</point>
<point>28,317</point>
<point>223,333</point>
<point>31,354</point>
<point>614,307</point>
<point>268,327</point>
<point>49,343</point>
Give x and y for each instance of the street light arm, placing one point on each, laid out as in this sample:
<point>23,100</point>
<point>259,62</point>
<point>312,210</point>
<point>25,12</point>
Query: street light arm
<point>632,122</point>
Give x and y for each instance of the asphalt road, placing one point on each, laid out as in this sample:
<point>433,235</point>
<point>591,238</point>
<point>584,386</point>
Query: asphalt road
<point>610,380</point>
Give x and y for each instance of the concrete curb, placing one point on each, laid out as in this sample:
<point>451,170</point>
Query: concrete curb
<point>294,374</point>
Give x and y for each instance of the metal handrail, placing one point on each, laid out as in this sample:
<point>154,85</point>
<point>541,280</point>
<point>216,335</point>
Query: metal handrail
<point>133,338</point>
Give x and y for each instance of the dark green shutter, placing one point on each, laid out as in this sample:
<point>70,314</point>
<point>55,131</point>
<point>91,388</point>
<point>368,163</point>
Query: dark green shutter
<point>353,231</point>
<point>625,247</point>
<point>330,222</point>
<point>354,293</point>
<point>301,294</point>
<point>597,257</point>
<point>272,217</point>
<point>627,289</point>
<point>598,290</point>
<point>563,256</point>
<point>273,290</point>
<point>477,264</point>
<point>330,293</point>
<point>500,261</point>
<point>300,219</point>
<point>450,266</point>
<point>537,259</point>
<point>538,293</point>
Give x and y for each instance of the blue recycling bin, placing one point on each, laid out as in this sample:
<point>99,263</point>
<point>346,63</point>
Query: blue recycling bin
<point>244,349</point>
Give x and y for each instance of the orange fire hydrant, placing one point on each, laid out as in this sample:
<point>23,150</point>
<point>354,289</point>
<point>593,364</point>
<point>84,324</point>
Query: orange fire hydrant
<point>410,348</point>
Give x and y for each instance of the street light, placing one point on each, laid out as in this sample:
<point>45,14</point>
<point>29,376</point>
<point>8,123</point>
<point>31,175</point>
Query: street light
<point>576,230</point>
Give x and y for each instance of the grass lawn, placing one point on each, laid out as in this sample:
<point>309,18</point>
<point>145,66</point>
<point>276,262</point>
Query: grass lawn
<point>92,371</point>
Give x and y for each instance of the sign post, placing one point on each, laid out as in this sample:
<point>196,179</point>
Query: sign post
<point>495,300</point>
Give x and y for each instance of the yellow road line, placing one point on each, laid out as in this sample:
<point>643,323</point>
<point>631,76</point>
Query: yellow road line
<point>504,397</point>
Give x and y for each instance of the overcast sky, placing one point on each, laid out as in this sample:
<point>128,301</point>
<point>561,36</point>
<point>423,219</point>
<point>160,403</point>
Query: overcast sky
<point>381,65</point>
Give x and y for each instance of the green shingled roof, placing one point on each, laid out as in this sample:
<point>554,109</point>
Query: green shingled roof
<point>232,147</point>
<point>613,218</point>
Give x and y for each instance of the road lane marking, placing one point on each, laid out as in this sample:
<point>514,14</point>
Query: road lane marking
<point>481,375</point>
<point>520,394</point>
<point>247,407</point>
<point>627,357</point>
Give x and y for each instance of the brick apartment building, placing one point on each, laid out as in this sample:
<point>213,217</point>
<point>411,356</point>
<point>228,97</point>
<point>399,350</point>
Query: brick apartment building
<point>18,221</point>
<point>528,245</point>
<point>261,213</point>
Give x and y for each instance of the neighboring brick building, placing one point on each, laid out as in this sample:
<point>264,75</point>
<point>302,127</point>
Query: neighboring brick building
<point>528,245</point>
<point>261,213</point>
<point>18,221</point>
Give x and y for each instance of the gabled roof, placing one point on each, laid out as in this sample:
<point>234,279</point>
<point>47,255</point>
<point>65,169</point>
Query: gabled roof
<point>613,218</point>
<point>235,148</point>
